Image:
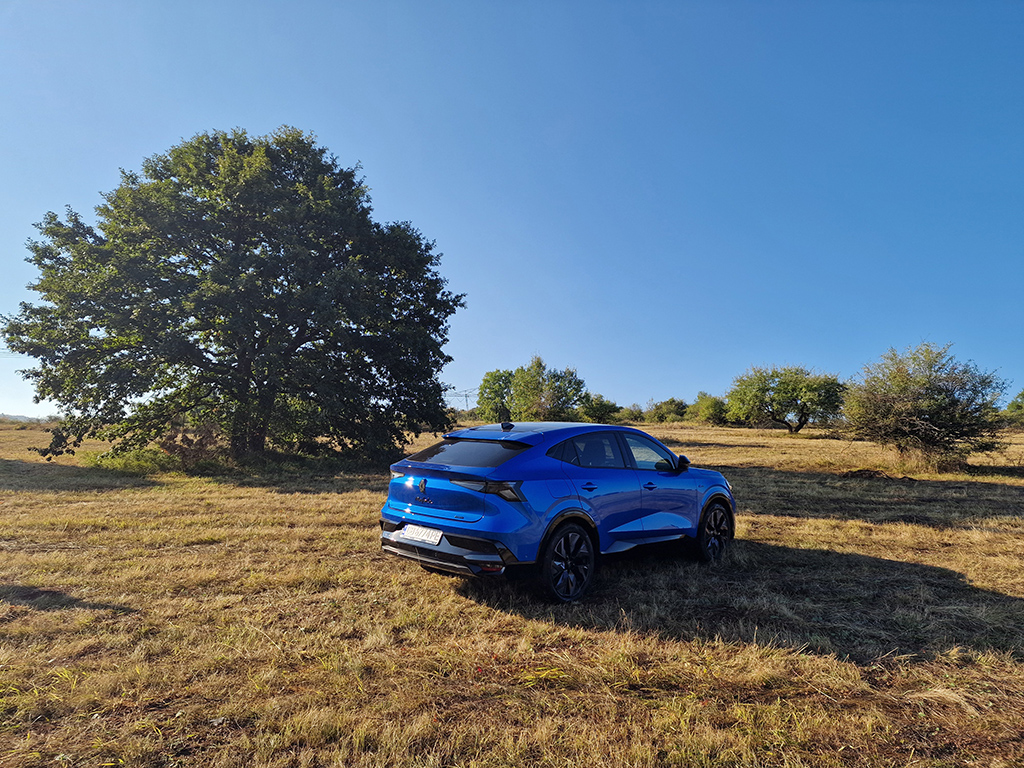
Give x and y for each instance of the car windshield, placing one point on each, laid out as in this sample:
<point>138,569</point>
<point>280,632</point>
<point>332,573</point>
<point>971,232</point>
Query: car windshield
<point>470,453</point>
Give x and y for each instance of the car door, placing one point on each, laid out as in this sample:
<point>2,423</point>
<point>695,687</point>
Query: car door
<point>668,495</point>
<point>607,488</point>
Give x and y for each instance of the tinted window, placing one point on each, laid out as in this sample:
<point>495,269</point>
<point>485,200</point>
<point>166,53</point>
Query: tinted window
<point>564,451</point>
<point>596,450</point>
<point>646,453</point>
<point>470,453</point>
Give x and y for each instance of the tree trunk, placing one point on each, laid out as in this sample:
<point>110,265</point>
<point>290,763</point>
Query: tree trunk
<point>260,425</point>
<point>250,425</point>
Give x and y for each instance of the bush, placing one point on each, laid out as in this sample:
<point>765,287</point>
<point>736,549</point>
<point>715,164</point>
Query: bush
<point>922,401</point>
<point>141,461</point>
<point>632,413</point>
<point>1014,413</point>
<point>665,411</point>
<point>707,409</point>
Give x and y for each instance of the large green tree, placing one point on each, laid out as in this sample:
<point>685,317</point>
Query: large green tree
<point>790,396</point>
<point>495,395</point>
<point>531,392</point>
<point>239,280</point>
<point>924,401</point>
<point>540,393</point>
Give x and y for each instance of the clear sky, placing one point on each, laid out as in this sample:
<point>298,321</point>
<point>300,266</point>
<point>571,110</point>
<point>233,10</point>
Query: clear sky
<point>659,194</point>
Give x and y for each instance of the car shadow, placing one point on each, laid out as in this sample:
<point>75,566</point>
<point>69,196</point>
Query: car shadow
<point>853,606</point>
<point>52,600</point>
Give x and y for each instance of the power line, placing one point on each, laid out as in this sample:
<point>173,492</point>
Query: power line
<point>462,394</point>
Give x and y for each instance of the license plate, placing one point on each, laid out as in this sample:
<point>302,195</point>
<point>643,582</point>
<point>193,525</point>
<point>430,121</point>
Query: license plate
<point>419,533</point>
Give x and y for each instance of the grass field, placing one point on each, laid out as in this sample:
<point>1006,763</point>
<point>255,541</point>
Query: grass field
<point>250,620</point>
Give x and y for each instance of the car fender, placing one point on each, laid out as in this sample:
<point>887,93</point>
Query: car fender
<point>565,516</point>
<point>716,493</point>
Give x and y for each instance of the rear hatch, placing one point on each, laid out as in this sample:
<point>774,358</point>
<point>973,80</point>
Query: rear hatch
<point>427,483</point>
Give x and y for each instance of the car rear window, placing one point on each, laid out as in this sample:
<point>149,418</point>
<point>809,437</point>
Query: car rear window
<point>470,453</point>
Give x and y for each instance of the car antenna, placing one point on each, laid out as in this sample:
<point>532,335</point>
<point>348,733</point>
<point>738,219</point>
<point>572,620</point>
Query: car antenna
<point>507,426</point>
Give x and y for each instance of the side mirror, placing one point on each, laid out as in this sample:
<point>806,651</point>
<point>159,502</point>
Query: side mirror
<point>684,463</point>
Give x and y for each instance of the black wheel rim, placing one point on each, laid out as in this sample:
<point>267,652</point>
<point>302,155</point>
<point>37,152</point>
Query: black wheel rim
<point>571,564</point>
<point>717,531</point>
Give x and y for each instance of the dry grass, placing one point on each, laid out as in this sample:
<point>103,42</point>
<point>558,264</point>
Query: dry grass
<point>251,621</point>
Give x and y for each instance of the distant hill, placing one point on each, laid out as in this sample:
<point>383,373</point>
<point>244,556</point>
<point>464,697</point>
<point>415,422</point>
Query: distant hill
<point>8,417</point>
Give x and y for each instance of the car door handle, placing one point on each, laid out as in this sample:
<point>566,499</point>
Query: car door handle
<point>650,486</point>
<point>589,487</point>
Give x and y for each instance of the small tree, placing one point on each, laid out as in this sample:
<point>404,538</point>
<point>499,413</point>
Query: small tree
<point>791,397</point>
<point>707,409</point>
<point>924,401</point>
<point>597,410</point>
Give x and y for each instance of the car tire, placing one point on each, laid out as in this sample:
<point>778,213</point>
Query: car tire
<point>715,532</point>
<point>568,563</point>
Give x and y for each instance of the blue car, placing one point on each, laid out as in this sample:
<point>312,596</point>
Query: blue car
<point>552,495</point>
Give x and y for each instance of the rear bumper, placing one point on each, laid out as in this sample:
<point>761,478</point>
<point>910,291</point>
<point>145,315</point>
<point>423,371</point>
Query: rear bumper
<point>463,555</point>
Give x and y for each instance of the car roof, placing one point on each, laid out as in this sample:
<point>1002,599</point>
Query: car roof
<point>530,432</point>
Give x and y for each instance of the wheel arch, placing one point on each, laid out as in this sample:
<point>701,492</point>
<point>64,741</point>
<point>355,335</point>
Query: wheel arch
<point>718,496</point>
<point>571,516</point>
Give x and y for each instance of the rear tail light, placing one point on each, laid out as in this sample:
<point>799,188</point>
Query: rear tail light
<point>395,474</point>
<point>507,491</point>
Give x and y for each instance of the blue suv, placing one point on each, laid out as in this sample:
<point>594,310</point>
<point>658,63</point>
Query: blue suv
<point>554,495</point>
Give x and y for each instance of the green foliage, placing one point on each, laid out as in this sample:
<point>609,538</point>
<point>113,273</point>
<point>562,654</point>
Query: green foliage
<point>1014,413</point>
<point>532,392</point>
<point>632,413</point>
<point>708,409</point>
<point>495,396</point>
<point>666,411</point>
<point>924,401</point>
<point>790,396</point>
<point>141,461</point>
<point>242,281</point>
<point>597,410</point>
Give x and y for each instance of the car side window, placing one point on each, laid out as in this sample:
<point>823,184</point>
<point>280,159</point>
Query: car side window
<point>647,453</point>
<point>597,450</point>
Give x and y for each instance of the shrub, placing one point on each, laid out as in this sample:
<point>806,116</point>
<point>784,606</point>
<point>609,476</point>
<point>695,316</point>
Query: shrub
<point>923,401</point>
<point>1014,413</point>
<point>141,461</point>
<point>665,411</point>
<point>632,413</point>
<point>708,410</point>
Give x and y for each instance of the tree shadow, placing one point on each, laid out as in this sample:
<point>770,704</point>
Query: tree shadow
<point>293,483</point>
<point>52,600</point>
<point>1013,472</point>
<point>17,475</point>
<point>853,606</point>
<point>673,442</point>
<point>294,474</point>
<point>957,503</point>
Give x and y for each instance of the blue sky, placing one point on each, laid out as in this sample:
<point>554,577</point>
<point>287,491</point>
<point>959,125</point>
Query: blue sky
<point>659,194</point>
